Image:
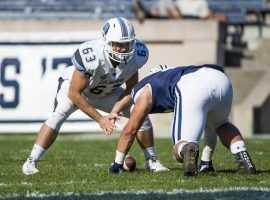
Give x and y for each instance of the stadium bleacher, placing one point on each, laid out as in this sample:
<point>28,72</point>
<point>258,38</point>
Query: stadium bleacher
<point>237,11</point>
<point>61,9</point>
<point>240,13</point>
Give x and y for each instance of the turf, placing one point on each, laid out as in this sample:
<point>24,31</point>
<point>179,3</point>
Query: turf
<point>79,166</point>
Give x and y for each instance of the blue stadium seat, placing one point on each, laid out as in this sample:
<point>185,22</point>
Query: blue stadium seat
<point>245,4</point>
<point>236,10</point>
<point>54,9</point>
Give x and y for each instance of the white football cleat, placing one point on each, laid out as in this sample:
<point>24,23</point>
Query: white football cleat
<point>154,165</point>
<point>29,167</point>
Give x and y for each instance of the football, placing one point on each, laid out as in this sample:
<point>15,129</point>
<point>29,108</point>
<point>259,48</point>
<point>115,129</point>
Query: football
<point>129,164</point>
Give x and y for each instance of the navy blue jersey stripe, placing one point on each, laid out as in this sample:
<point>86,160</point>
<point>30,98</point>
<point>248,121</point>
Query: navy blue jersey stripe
<point>60,81</point>
<point>173,128</point>
<point>123,27</point>
<point>79,67</point>
<point>77,62</point>
<point>77,59</point>
<point>178,112</point>
<point>177,119</point>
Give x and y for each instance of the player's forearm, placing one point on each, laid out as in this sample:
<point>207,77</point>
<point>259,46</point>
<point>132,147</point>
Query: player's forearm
<point>125,98</point>
<point>129,132</point>
<point>84,106</point>
<point>126,139</point>
<point>122,103</point>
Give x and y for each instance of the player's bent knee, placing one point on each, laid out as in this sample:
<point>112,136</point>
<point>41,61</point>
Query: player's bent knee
<point>55,121</point>
<point>147,125</point>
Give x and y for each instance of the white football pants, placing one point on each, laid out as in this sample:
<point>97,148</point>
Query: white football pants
<point>203,100</point>
<point>64,107</point>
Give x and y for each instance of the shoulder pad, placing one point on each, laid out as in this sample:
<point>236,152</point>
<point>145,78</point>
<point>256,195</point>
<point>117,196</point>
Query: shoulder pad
<point>86,57</point>
<point>141,52</point>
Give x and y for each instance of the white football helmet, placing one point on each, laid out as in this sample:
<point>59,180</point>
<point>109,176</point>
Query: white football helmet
<point>158,68</point>
<point>118,30</point>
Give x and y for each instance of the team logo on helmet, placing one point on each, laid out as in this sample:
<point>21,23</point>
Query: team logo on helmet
<point>106,28</point>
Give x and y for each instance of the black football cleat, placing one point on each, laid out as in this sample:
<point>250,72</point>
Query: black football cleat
<point>115,168</point>
<point>244,163</point>
<point>190,154</point>
<point>206,167</point>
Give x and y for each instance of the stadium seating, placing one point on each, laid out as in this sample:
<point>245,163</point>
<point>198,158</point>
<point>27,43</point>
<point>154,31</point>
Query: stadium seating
<point>245,4</point>
<point>237,10</point>
<point>61,9</point>
<point>238,14</point>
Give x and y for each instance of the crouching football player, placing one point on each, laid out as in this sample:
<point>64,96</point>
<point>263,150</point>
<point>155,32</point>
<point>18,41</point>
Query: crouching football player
<point>200,97</point>
<point>100,67</point>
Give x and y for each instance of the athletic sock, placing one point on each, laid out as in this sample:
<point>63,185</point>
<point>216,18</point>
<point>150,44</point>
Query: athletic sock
<point>37,152</point>
<point>119,157</point>
<point>207,154</point>
<point>149,153</point>
<point>237,147</point>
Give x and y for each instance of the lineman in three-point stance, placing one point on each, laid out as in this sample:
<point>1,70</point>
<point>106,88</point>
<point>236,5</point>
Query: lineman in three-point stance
<point>200,97</point>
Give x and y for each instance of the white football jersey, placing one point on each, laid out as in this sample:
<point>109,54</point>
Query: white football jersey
<point>91,60</point>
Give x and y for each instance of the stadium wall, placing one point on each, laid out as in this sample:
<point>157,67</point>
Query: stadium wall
<point>33,54</point>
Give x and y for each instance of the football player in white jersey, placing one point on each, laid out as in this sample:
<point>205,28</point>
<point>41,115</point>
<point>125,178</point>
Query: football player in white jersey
<point>93,82</point>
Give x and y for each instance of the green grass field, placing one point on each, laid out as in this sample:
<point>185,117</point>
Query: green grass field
<point>76,168</point>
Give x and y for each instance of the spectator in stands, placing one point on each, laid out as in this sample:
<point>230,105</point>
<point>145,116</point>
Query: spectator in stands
<point>165,9</point>
<point>160,9</point>
<point>197,9</point>
<point>172,9</point>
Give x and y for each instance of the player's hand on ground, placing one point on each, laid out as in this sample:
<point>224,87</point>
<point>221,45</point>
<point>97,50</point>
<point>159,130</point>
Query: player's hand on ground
<point>115,168</point>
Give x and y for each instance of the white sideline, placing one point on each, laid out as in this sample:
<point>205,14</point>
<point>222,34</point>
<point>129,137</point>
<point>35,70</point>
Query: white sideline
<point>174,192</point>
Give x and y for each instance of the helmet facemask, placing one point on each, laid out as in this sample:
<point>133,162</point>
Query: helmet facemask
<point>120,56</point>
<point>118,31</point>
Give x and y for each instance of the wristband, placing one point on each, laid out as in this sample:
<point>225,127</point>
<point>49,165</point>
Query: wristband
<point>119,157</point>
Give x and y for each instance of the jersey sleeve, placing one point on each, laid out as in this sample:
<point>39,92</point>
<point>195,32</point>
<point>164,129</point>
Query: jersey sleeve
<point>85,59</point>
<point>141,53</point>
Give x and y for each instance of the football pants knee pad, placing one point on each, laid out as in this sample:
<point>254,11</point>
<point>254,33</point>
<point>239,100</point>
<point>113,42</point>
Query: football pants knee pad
<point>55,121</point>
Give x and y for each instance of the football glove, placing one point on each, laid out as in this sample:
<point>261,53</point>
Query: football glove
<point>116,168</point>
